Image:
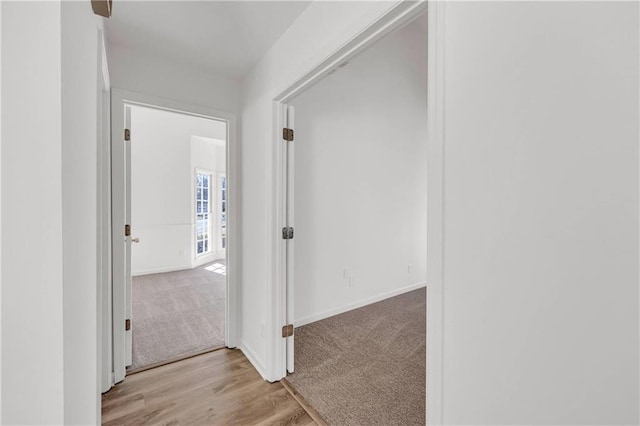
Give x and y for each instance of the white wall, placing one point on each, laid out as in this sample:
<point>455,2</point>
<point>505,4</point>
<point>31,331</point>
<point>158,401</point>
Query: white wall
<point>32,277</point>
<point>541,204</point>
<point>50,69</point>
<point>142,73</point>
<point>162,185</point>
<point>81,79</point>
<point>541,213</point>
<point>360,179</point>
<point>0,210</point>
<point>320,30</point>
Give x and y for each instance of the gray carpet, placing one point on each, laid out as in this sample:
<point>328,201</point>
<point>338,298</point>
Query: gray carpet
<point>366,366</point>
<point>177,314</point>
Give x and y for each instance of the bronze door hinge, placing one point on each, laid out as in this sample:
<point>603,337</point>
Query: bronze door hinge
<point>287,134</point>
<point>287,330</point>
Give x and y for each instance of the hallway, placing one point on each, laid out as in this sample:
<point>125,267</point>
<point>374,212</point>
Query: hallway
<point>219,387</point>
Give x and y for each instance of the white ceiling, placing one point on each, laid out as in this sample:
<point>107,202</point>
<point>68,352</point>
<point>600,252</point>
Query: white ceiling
<point>222,37</point>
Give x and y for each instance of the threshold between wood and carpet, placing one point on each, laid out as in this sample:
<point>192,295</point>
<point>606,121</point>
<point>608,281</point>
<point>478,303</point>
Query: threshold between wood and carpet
<point>131,371</point>
<point>303,403</point>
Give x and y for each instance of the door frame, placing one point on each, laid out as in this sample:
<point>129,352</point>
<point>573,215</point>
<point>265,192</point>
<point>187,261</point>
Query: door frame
<point>120,98</point>
<point>398,15</point>
<point>104,321</point>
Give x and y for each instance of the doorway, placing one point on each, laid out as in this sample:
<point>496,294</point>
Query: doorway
<point>173,196</point>
<point>178,217</point>
<point>355,176</point>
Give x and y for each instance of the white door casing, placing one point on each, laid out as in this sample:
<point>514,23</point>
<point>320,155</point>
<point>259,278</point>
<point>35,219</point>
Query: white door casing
<point>121,101</point>
<point>288,114</point>
<point>128,304</point>
<point>398,14</point>
<point>120,244</point>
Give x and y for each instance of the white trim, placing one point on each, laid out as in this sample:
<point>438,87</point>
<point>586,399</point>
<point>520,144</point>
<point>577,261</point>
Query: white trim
<point>639,239</point>
<point>121,97</point>
<point>220,176</point>
<point>163,270</point>
<point>397,15</point>
<point>1,212</point>
<point>435,211</point>
<point>276,254</point>
<point>290,244</point>
<point>104,321</point>
<point>355,305</point>
<point>253,359</point>
<point>103,61</point>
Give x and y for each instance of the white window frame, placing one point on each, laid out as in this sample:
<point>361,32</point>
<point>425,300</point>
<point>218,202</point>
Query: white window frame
<point>221,231</point>
<point>209,213</point>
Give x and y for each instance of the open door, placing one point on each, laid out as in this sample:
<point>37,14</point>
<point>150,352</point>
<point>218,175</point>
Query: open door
<point>121,239</point>
<point>288,115</point>
<point>128,305</point>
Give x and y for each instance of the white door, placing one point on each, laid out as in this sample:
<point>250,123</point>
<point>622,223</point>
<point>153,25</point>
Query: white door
<point>289,153</point>
<point>128,342</point>
<point>121,238</point>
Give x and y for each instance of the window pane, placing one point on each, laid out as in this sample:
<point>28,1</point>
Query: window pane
<point>223,219</point>
<point>198,193</point>
<point>206,245</point>
<point>205,180</point>
<point>198,179</point>
<point>224,195</point>
<point>205,207</point>
<point>224,207</point>
<point>200,247</point>
<point>200,226</point>
<point>198,206</point>
<point>224,241</point>
<point>224,182</point>
<point>205,194</point>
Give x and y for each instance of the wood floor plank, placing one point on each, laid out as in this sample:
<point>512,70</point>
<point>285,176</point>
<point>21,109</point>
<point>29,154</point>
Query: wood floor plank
<point>216,388</point>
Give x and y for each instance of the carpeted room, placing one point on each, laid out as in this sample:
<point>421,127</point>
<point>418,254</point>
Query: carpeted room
<point>178,230</point>
<point>359,267</point>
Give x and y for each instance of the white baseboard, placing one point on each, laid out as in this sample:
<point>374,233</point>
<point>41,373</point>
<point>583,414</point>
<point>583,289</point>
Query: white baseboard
<point>350,306</point>
<point>207,258</point>
<point>171,269</point>
<point>253,358</point>
<point>161,270</point>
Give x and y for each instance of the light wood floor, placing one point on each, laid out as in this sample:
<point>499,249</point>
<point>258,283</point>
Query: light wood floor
<point>217,388</point>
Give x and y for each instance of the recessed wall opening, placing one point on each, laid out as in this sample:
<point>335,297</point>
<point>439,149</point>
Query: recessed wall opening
<point>356,184</point>
<point>178,222</point>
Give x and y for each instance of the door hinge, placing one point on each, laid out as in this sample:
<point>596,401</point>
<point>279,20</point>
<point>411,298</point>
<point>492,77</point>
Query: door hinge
<point>287,330</point>
<point>127,324</point>
<point>287,134</point>
<point>127,134</point>
<point>287,233</point>
<point>127,230</point>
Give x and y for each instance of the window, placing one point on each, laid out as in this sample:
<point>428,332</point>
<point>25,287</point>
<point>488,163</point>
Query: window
<point>203,213</point>
<point>223,211</point>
